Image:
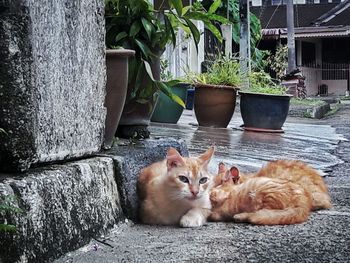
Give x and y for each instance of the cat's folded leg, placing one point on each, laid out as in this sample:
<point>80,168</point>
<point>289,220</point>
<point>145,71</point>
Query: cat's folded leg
<point>195,217</point>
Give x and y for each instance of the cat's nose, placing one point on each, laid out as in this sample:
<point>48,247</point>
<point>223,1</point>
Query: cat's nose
<point>194,192</point>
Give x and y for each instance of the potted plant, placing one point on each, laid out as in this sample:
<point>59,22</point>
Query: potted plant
<point>167,110</point>
<point>265,104</point>
<point>116,88</point>
<point>215,92</point>
<point>134,24</point>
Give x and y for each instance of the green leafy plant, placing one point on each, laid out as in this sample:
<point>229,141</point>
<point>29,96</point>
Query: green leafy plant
<point>7,207</point>
<point>261,82</point>
<point>257,55</point>
<point>279,61</point>
<point>165,73</point>
<point>223,71</point>
<point>134,24</point>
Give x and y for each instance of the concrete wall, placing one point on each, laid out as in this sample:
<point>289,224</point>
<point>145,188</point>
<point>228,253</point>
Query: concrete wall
<point>336,87</point>
<point>52,80</point>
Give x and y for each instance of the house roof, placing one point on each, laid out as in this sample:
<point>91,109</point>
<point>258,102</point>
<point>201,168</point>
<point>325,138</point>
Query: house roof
<point>318,32</point>
<point>310,20</point>
<point>304,15</point>
<point>338,15</point>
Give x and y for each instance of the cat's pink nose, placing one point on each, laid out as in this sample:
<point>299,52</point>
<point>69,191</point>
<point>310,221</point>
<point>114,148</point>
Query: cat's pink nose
<point>194,192</point>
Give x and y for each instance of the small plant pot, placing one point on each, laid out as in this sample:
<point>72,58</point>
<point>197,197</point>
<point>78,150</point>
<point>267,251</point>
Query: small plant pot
<point>168,111</point>
<point>214,105</point>
<point>264,112</point>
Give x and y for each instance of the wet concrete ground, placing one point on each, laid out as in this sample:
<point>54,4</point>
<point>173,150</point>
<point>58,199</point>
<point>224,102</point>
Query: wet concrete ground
<point>325,237</point>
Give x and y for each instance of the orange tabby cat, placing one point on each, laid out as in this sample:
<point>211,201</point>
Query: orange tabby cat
<point>176,190</point>
<point>302,174</point>
<point>292,170</point>
<point>260,200</point>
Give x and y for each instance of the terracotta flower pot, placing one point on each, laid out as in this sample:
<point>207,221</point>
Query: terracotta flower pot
<point>117,83</point>
<point>264,112</point>
<point>214,104</point>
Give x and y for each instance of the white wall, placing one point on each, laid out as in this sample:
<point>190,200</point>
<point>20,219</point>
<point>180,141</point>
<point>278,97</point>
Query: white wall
<point>336,87</point>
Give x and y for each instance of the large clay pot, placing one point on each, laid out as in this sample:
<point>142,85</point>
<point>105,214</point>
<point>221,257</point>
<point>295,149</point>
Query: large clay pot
<point>214,104</point>
<point>137,116</point>
<point>264,112</point>
<point>168,111</point>
<point>117,84</point>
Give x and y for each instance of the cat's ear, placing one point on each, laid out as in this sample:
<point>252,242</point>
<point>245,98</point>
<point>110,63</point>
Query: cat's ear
<point>206,157</point>
<point>222,168</point>
<point>234,172</point>
<point>173,158</point>
<point>231,175</point>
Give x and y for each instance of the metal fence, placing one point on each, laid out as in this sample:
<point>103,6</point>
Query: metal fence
<point>327,79</point>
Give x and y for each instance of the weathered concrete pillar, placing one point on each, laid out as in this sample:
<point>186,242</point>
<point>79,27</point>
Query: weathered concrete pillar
<point>64,206</point>
<point>52,80</point>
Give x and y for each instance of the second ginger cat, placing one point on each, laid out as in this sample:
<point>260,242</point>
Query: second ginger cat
<point>282,192</point>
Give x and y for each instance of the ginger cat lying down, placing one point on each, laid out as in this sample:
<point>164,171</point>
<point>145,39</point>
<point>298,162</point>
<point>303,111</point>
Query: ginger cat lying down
<point>176,190</point>
<point>282,192</point>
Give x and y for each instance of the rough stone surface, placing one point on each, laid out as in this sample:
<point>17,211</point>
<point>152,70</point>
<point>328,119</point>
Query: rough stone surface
<point>130,158</point>
<point>319,111</point>
<point>52,80</point>
<point>309,111</point>
<point>64,207</point>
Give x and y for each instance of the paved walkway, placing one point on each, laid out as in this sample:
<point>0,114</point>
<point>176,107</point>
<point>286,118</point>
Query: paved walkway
<point>310,142</point>
<point>325,237</point>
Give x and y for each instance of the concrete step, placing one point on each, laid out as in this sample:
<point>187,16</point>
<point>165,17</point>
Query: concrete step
<point>66,205</point>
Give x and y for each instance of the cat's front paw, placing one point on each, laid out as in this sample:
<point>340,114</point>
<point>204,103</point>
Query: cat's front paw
<point>192,220</point>
<point>241,218</point>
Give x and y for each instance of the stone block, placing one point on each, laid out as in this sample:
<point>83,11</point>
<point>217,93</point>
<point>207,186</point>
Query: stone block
<point>64,207</point>
<point>318,112</point>
<point>130,158</point>
<point>52,80</point>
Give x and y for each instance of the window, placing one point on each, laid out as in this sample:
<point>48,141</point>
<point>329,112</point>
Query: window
<point>256,2</point>
<point>308,53</point>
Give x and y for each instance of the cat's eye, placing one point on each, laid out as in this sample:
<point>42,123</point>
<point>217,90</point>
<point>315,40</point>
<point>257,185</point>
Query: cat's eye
<point>183,179</point>
<point>203,180</point>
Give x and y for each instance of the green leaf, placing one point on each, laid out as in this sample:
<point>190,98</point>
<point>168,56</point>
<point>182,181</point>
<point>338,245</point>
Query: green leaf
<point>135,28</point>
<point>215,31</point>
<point>214,6</point>
<point>144,49</point>
<point>138,80</point>
<point>170,29</point>
<point>142,101</point>
<point>194,30</point>
<point>177,5</point>
<point>167,91</point>
<point>2,131</point>
<point>7,228</point>
<point>149,70</point>
<point>148,26</point>
<point>198,16</point>
<point>218,18</point>
<point>185,9</point>
<point>120,36</point>
<point>171,83</point>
